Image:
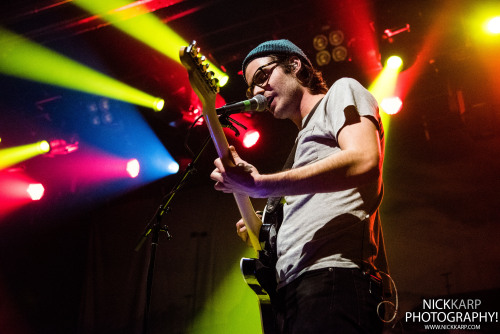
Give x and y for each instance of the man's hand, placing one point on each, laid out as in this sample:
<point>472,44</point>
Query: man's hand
<point>241,230</point>
<point>240,177</point>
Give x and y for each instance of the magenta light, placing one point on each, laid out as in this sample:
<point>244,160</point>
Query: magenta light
<point>251,138</point>
<point>35,190</point>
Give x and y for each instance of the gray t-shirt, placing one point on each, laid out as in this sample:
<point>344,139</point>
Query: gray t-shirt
<point>336,229</point>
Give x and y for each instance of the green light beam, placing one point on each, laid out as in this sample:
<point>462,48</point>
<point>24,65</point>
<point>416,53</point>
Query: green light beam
<point>25,59</point>
<point>13,155</point>
<point>136,21</point>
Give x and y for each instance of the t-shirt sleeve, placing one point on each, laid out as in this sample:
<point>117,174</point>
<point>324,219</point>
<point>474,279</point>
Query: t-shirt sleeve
<point>345,94</point>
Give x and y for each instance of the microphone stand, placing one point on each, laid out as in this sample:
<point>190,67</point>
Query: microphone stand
<point>154,227</point>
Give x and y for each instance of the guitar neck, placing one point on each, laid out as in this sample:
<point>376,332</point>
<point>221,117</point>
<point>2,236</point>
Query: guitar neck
<point>252,221</point>
<point>206,88</point>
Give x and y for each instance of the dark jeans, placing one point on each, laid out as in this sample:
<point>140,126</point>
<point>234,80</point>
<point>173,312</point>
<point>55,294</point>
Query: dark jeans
<point>331,300</point>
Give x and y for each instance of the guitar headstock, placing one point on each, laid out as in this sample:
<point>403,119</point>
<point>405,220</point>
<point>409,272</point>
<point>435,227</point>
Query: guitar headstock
<point>202,80</point>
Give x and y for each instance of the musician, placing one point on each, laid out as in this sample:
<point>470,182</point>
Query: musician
<point>330,250</point>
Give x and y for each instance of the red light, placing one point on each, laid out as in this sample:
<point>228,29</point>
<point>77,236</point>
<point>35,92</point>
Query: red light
<point>35,190</point>
<point>391,105</point>
<point>251,138</point>
<point>133,168</point>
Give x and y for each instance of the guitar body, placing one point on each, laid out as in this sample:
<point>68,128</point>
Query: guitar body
<point>206,88</point>
<point>261,279</point>
<point>260,274</point>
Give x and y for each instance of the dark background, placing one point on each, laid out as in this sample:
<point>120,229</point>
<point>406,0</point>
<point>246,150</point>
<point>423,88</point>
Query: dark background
<point>68,263</point>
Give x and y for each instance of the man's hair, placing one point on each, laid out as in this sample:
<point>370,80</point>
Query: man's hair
<point>307,76</point>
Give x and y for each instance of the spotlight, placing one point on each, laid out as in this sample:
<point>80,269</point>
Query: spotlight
<point>251,138</point>
<point>323,58</point>
<point>493,25</point>
<point>320,42</point>
<point>336,37</point>
<point>13,155</point>
<point>398,42</point>
<point>158,104</point>
<point>56,69</point>
<point>391,105</point>
<point>173,167</point>
<point>35,190</point>
<point>329,47</point>
<point>394,62</point>
<point>43,146</point>
<point>133,168</point>
<point>339,53</point>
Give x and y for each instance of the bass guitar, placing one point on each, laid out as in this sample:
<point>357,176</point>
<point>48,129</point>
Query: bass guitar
<point>206,88</point>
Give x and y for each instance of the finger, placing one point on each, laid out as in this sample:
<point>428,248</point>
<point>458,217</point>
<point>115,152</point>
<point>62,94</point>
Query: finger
<point>242,230</point>
<point>242,233</point>
<point>216,175</point>
<point>218,164</point>
<point>220,186</point>
<point>235,155</point>
<point>240,225</point>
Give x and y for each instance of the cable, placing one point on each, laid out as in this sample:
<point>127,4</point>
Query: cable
<point>388,302</point>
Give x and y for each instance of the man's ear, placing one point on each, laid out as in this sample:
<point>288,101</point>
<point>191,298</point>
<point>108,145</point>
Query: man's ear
<point>295,64</point>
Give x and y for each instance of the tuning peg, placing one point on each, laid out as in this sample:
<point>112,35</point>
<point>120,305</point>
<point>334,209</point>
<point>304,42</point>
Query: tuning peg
<point>193,49</point>
<point>209,75</point>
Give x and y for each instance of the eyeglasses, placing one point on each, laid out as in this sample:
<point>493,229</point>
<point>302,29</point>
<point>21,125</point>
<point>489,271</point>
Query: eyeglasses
<point>260,78</point>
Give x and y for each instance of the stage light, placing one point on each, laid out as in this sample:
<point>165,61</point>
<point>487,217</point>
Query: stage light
<point>134,19</point>
<point>329,47</point>
<point>159,104</point>
<point>13,155</point>
<point>336,37</point>
<point>323,58</point>
<point>44,146</point>
<point>398,42</point>
<point>493,25</point>
<point>22,58</point>
<point>61,147</point>
<point>384,86</point>
<point>394,62</point>
<point>14,193</point>
<point>320,42</point>
<point>391,105</point>
<point>251,138</point>
<point>133,168</point>
<point>35,191</point>
<point>173,167</point>
<point>339,53</point>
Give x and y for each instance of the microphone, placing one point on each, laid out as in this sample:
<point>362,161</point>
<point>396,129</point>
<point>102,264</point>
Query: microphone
<point>256,103</point>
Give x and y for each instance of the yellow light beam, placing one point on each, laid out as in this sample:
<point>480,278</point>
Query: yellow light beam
<point>13,155</point>
<point>25,59</point>
<point>135,20</point>
<point>384,86</point>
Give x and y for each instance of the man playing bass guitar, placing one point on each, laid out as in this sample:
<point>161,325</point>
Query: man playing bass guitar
<point>330,249</point>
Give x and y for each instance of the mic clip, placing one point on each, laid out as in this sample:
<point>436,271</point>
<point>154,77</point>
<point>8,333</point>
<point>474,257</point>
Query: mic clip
<point>227,122</point>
